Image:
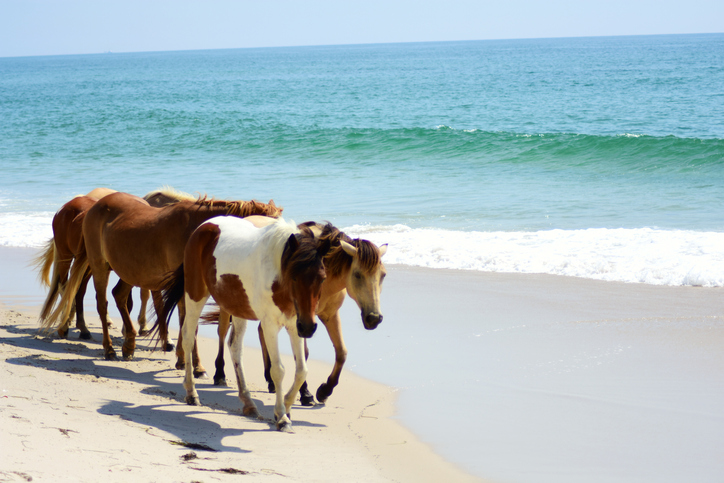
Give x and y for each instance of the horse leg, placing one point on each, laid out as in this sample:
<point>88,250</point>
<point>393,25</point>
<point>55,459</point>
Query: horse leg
<point>100,282</point>
<point>223,330</point>
<point>162,328</point>
<point>305,396</point>
<point>79,312</point>
<point>188,330</point>
<point>236,345</point>
<point>121,292</point>
<point>267,361</point>
<point>142,322</point>
<point>199,371</point>
<point>300,373</point>
<point>271,337</point>
<point>334,329</point>
<point>60,278</point>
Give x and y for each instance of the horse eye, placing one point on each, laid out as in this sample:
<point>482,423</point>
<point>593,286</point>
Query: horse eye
<point>357,275</point>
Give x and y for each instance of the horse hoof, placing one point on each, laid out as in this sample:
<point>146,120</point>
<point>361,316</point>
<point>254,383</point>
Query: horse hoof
<point>62,334</point>
<point>251,412</point>
<point>307,400</point>
<point>221,382</point>
<point>200,375</point>
<point>143,332</point>
<point>193,401</point>
<point>128,357</point>
<point>285,426</point>
<point>111,356</point>
<point>323,393</point>
<point>272,389</point>
<point>169,347</point>
<point>85,336</point>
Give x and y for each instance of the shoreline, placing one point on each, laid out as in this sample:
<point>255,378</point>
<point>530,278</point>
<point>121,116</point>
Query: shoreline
<point>50,427</point>
<point>530,377</point>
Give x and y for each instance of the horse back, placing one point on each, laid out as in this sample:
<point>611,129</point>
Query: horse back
<point>203,276</point>
<point>68,223</point>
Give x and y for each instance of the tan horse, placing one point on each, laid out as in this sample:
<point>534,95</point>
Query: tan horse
<point>354,267</point>
<point>60,251</point>
<point>141,244</point>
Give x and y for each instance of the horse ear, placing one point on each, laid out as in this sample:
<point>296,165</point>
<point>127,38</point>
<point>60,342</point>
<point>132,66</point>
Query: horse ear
<point>348,249</point>
<point>383,250</point>
<point>293,243</point>
<point>324,246</point>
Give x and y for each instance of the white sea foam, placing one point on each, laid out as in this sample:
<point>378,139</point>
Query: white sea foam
<point>645,255</point>
<point>25,229</point>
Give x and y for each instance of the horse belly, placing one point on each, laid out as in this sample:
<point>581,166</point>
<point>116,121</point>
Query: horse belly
<point>231,296</point>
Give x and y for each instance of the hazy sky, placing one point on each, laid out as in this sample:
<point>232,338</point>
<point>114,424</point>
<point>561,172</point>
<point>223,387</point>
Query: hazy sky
<point>49,27</point>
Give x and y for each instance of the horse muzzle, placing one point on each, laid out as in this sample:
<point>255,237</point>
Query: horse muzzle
<point>307,329</point>
<point>371,320</point>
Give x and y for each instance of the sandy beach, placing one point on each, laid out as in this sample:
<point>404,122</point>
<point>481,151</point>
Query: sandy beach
<point>66,414</point>
<point>507,377</point>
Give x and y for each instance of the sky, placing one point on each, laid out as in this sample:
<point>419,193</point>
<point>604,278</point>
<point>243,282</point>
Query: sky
<point>59,27</point>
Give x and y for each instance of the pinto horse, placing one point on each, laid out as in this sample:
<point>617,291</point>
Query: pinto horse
<point>60,251</point>
<point>354,267</point>
<point>141,244</point>
<point>273,274</point>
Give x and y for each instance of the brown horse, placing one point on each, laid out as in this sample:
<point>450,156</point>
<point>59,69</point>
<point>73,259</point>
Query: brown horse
<point>273,274</point>
<point>141,244</point>
<point>60,251</point>
<point>354,267</point>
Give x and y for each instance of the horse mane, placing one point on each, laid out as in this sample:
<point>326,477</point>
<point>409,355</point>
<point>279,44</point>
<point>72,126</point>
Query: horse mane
<point>242,208</point>
<point>337,260</point>
<point>305,256</point>
<point>170,193</point>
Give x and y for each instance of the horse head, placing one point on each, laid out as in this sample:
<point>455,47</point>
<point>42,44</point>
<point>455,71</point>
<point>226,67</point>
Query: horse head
<point>303,270</point>
<point>364,282</point>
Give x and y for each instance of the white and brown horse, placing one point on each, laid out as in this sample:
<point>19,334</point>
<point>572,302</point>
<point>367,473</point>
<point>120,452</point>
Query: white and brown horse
<point>273,274</point>
<point>354,267</point>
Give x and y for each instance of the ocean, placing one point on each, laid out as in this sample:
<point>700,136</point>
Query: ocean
<point>590,157</point>
<point>600,158</point>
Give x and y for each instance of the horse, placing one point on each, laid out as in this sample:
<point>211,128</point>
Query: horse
<point>273,274</point>
<point>140,243</point>
<point>354,267</point>
<point>61,249</point>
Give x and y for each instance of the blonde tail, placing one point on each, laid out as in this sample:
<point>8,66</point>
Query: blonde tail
<point>44,261</point>
<point>64,309</point>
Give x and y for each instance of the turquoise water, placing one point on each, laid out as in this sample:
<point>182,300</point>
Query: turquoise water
<point>469,139</point>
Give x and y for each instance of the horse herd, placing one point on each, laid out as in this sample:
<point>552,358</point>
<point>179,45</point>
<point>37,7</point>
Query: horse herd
<point>181,250</point>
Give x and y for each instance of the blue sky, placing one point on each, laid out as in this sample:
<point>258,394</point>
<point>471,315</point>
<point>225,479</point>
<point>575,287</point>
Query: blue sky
<point>52,27</point>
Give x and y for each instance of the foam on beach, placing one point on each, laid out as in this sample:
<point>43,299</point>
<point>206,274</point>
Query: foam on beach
<point>643,255</point>
<point>637,255</point>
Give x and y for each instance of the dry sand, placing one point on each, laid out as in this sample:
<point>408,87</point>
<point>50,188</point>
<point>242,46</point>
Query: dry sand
<point>68,415</point>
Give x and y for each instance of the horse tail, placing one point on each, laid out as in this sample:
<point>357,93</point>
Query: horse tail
<point>78,273</point>
<point>211,317</point>
<point>55,287</point>
<point>44,261</point>
<point>172,291</point>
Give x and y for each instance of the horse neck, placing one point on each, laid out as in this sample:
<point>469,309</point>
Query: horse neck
<point>275,237</point>
<point>197,214</point>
